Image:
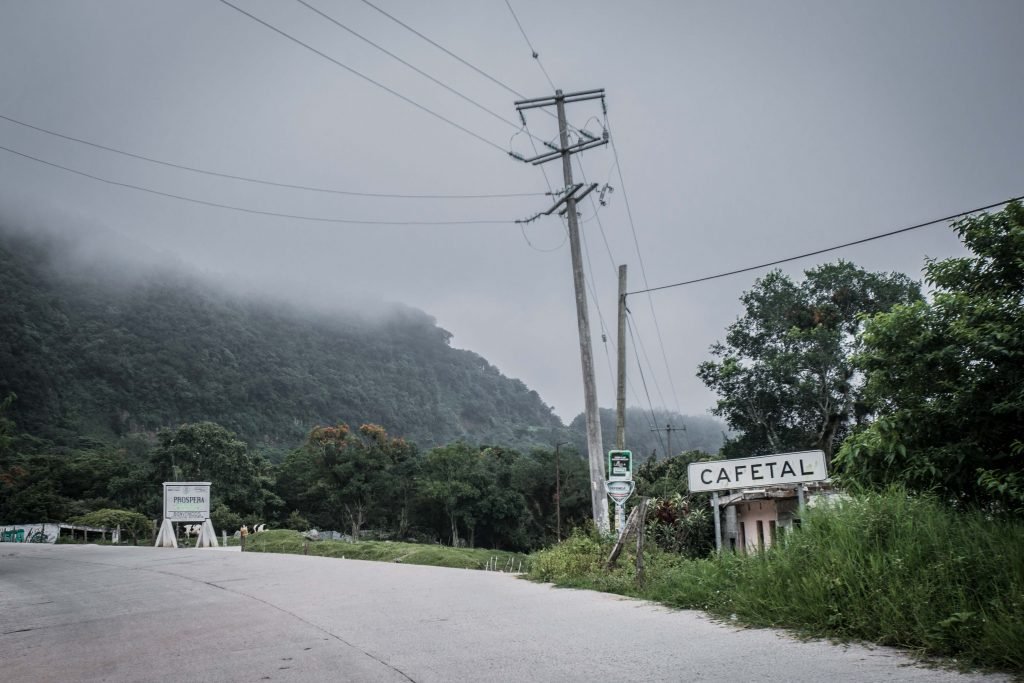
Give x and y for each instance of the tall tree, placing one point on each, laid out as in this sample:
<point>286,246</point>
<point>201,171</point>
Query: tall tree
<point>361,473</point>
<point>784,373</point>
<point>453,479</point>
<point>946,376</point>
<point>206,451</point>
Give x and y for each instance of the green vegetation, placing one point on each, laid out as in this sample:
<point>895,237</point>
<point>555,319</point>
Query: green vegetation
<point>106,390</point>
<point>132,524</point>
<point>883,567</point>
<point>292,542</point>
<point>924,400</point>
<point>946,377</point>
<point>785,376</point>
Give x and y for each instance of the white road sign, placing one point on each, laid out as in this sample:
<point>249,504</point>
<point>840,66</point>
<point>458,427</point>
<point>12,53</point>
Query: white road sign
<point>187,501</point>
<point>619,490</point>
<point>765,470</point>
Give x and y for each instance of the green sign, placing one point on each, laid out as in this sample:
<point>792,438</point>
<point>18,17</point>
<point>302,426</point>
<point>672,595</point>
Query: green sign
<point>620,465</point>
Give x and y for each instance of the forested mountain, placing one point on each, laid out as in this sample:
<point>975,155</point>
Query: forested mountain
<point>90,352</point>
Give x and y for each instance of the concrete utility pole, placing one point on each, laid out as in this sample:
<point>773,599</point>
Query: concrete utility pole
<point>620,393</point>
<point>669,429</point>
<point>572,194</point>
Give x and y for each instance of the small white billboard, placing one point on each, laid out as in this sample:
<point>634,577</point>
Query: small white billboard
<point>187,501</point>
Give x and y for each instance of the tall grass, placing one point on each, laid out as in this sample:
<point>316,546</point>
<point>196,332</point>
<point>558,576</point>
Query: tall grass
<point>883,567</point>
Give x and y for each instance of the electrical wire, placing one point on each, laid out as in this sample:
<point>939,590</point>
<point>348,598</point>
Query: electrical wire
<point>650,365</point>
<point>643,269</point>
<point>611,258</point>
<point>536,55</point>
<point>367,78</point>
<point>465,62</point>
<point>644,381</point>
<point>597,215</point>
<point>293,186</point>
<point>551,192</point>
<point>597,304</point>
<point>246,209</point>
<point>411,66</point>
<point>447,51</point>
<point>828,249</point>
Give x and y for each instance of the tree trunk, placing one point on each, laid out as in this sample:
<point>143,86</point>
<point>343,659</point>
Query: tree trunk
<point>355,516</point>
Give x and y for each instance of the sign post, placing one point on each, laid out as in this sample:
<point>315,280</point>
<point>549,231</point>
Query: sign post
<point>186,501</point>
<point>620,484</point>
<point>620,465</point>
<point>765,470</point>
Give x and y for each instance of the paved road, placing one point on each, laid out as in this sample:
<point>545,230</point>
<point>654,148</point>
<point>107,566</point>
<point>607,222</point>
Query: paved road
<point>92,613</point>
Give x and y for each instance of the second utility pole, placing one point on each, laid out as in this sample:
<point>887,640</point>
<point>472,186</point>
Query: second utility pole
<point>595,450</point>
<point>620,389</point>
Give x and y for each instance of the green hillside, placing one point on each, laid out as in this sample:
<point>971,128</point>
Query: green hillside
<point>91,352</point>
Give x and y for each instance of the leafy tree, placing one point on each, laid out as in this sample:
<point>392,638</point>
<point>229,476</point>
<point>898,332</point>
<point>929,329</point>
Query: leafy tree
<point>451,478</point>
<point>224,519</point>
<point>132,523</point>
<point>499,514</point>
<point>206,451</point>
<point>534,477</point>
<point>680,522</point>
<point>362,474</point>
<point>946,376</point>
<point>784,373</point>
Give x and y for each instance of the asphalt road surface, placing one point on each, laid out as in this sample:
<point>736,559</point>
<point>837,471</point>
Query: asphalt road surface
<point>94,613</point>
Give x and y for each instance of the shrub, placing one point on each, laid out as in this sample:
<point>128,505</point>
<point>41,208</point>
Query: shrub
<point>134,524</point>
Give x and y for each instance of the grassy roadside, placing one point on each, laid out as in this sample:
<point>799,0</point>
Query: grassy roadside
<point>292,542</point>
<point>884,568</point>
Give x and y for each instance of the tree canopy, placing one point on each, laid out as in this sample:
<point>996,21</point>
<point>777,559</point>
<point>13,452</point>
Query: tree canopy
<point>784,374</point>
<point>946,375</point>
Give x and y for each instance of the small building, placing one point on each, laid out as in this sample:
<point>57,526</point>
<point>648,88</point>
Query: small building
<point>753,519</point>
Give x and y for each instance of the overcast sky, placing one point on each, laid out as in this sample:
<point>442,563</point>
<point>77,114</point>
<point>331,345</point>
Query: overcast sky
<point>746,132</point>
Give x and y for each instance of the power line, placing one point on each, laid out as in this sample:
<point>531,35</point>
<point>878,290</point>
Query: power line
<point>246,209</point>
<point>828,249</point>
<point>293,186</point>
<point>597,215</point>
<point>366,78</point>
<point>447,51</point>
<point>643,269</point>
<point>650,365</point>
<point>644,381</point>
<point>536,55</point>
<point>467,63</point>
<point>551,191</point>
<point>407,64</point>
<point>597,303</point>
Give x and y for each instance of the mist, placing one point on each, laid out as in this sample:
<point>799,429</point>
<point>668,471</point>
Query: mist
<point>743,134</point>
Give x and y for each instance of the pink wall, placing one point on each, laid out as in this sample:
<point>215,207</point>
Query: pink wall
<point>748,515</point>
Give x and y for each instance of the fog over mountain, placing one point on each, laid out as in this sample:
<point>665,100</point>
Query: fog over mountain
<point>743,133</point>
